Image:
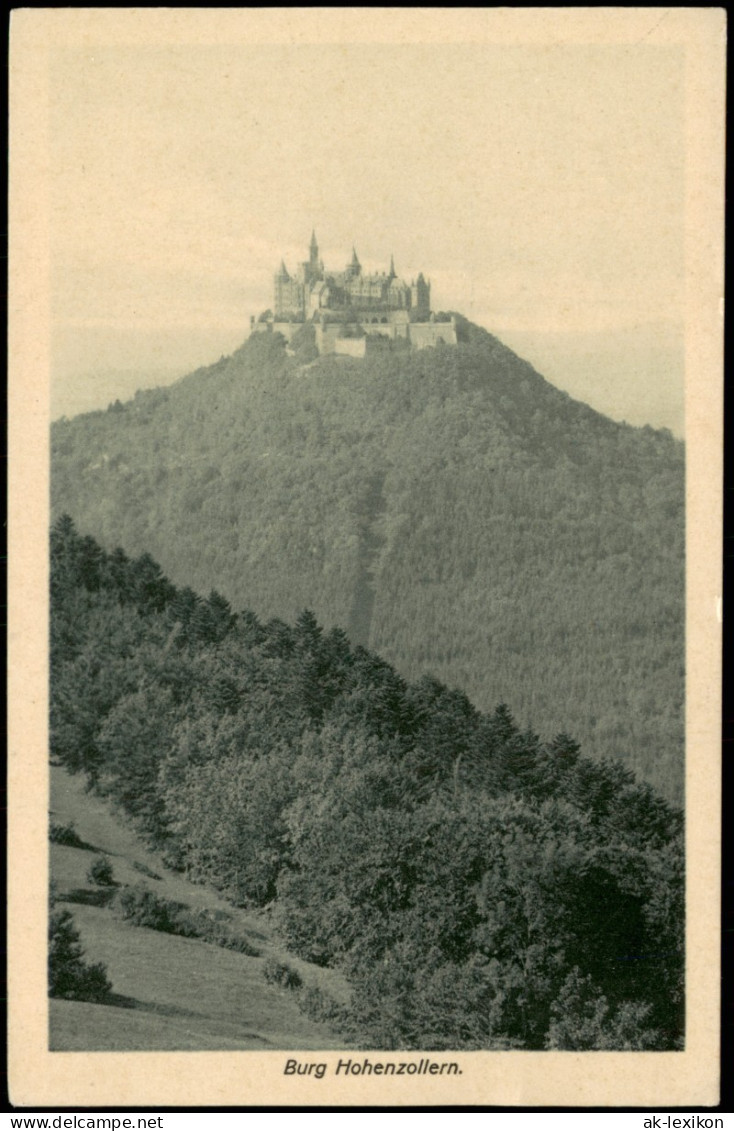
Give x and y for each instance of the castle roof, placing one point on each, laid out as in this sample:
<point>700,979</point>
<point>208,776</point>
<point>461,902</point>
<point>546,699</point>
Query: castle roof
<point>312,287</point>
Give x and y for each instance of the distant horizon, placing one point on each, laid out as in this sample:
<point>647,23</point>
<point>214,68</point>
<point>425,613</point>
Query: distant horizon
<point>633,373</point>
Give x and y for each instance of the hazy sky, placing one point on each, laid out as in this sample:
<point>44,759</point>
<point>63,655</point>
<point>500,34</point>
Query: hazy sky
<point>540,187</point>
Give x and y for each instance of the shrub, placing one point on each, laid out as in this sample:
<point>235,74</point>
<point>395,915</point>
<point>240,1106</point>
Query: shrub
<point>174,858</point>
<point>321,1006</point>
<point>222,936</point>
<point>200,925</point>
<point>65,834</point>
<point>68,975</point>
<point>281,974</point>
<point>145,870</point>
<point>145,909</point>
<point>581,1018</point>
<point>100,872</point>
<point>98,897</point>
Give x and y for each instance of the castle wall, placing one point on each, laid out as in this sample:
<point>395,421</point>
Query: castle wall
<point>330,336</point>
<point>287,329</point>
<point>425,334</point>
<point>350,347</point>
<point>390,324</point>
<point>326,336</point>
<point>330,339</point>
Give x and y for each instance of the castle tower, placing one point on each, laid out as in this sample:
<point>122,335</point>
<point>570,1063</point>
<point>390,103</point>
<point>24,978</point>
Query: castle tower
<point>288,294</point>
<point>420,298</point>
<point>376,299</point>
<point>313,269</point>
<point>281,289</point>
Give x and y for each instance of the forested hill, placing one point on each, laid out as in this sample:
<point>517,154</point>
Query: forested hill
<point>449,508</point>
<point>480,887</point>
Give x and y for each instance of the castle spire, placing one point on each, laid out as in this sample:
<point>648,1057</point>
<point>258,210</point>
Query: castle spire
<point>314,246</point>
<point>283,273</point>
<point>392,274</point>
<point>355,261</point>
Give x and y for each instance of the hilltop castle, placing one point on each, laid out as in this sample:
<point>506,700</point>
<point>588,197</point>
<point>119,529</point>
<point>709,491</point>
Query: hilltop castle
<point>350,309</point>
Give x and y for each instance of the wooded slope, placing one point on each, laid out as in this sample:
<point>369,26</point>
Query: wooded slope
<point>479,886</point>
<point>450,509</point>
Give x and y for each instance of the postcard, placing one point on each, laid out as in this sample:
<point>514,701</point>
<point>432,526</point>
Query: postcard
<point>365,595</point>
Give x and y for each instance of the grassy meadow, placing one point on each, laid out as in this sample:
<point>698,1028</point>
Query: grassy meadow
<point>168,992</point>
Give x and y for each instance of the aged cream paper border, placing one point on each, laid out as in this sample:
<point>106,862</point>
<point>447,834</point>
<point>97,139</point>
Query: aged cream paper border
<point>39,1078</point>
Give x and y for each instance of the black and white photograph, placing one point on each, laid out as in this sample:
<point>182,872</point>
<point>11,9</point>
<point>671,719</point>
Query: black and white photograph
<point>369,377</point>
